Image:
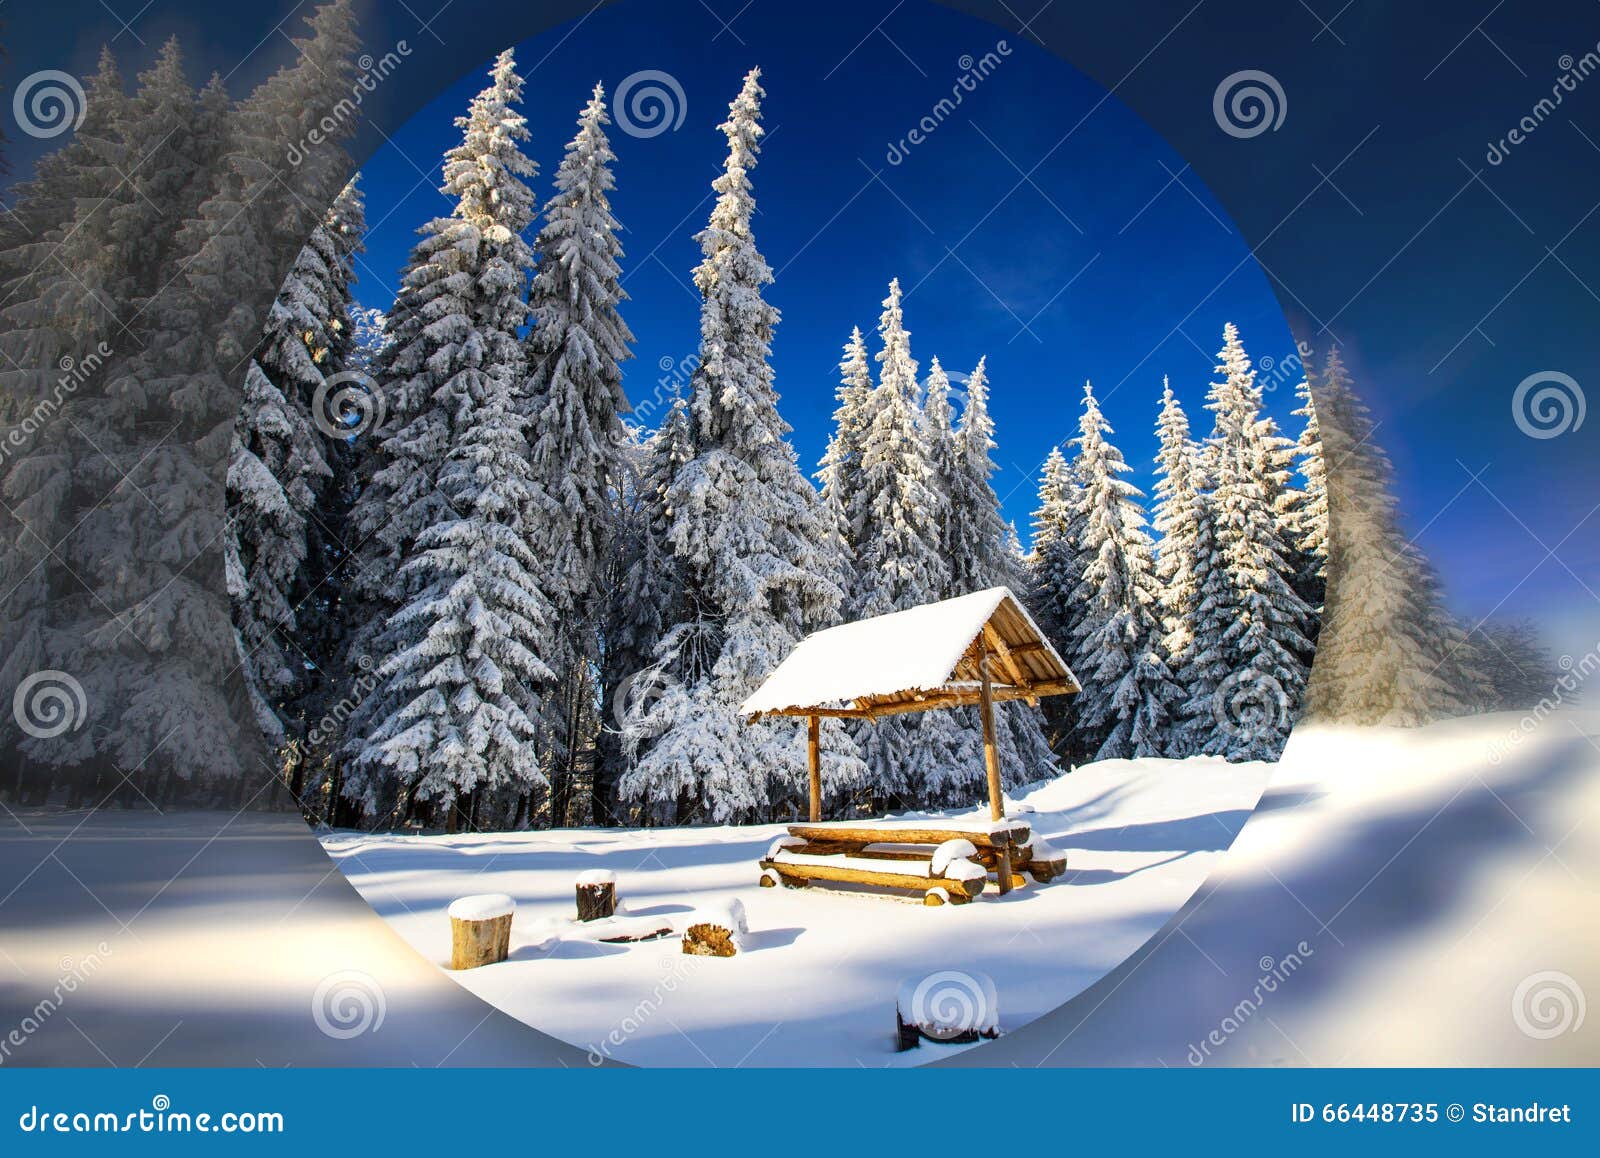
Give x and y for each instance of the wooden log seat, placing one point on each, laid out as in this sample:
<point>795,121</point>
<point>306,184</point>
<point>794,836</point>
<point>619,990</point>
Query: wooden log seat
<point>946,865</point>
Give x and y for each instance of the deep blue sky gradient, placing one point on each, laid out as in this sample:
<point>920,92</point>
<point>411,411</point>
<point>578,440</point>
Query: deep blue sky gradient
<point>1376,216</point>
<point>835,234</point>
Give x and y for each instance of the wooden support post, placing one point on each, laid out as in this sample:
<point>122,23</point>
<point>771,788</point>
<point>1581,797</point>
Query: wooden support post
<point>991,760</point>
<point>814,754</point>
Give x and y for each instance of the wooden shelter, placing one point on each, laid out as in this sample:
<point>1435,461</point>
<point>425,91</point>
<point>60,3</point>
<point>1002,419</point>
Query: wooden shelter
<point>972,650</point>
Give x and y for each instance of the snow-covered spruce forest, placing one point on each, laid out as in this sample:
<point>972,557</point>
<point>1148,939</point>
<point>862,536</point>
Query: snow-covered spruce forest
<point>471,587</point>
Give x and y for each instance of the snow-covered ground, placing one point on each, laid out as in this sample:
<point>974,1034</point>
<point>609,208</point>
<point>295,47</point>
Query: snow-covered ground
<point>817,982</point>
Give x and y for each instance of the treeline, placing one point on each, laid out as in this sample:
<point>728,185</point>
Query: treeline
<point>468,590</point>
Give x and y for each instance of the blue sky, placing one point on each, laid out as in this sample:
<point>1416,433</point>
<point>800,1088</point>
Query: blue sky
<point>1108,261</point>
<point>1447,289</point>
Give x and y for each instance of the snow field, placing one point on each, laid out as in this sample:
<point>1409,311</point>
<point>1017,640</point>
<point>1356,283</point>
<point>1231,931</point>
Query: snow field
<point>819,970</point>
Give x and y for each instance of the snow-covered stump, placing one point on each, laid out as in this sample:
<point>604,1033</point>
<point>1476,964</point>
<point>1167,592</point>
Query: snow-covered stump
<point>597,894</point>
<point>951,1007</point>
<point>715,932</point>
<point>480,930</point>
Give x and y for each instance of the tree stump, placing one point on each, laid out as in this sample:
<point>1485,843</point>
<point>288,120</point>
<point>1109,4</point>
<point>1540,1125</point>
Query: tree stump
<point>951,1007</point>
<point>480,930</point>
<point>715,932</point>
<point>597,895</point>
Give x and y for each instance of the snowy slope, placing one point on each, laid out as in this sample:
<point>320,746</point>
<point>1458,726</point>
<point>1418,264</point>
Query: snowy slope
<point>1437,884</point>
<point>817,983</point>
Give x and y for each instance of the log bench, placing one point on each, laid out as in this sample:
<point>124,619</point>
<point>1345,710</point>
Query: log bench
<point>902,859</point>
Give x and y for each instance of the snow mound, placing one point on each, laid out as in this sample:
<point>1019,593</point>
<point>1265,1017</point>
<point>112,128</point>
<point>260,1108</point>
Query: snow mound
<point>482,907</point>
<point>1041,849</point>
<point>949,851</point>
<point>782,843</point>
<point>596,877</point>
<point>729,915</point>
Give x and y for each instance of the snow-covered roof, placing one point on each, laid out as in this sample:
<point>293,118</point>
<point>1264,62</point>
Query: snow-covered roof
<point>915,659</point>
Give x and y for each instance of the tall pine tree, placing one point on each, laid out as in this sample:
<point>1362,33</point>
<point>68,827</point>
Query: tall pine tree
<point>1128,695</point>
<point>574,395</point>
<point>749,537</point>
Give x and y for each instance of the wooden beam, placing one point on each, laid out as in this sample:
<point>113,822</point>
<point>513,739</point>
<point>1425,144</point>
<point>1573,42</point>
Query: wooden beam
<point>991,760</point>
<point>1019,676</point>
<point>814,756</point>
<point>859,836</point>
<point>938,698</point>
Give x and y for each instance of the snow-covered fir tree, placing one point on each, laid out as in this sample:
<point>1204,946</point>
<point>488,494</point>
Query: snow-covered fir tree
<point>899,507</point>
<point>749,538</point>
<point>1128,696</point>
<point>1390,651</point>
<point>468,676</point>
<point>980,552</point>
<point>840,472</point>
<point>281,548</point>
<point>574,395</point>
<point>154,638</point>
<point>643,596</point>
<point>1182,518</point>
<point>1250,642</point>
<point>897,519</point>
<point>453,328</point>
<point>1308,518</point>
<point>1054,570</point>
